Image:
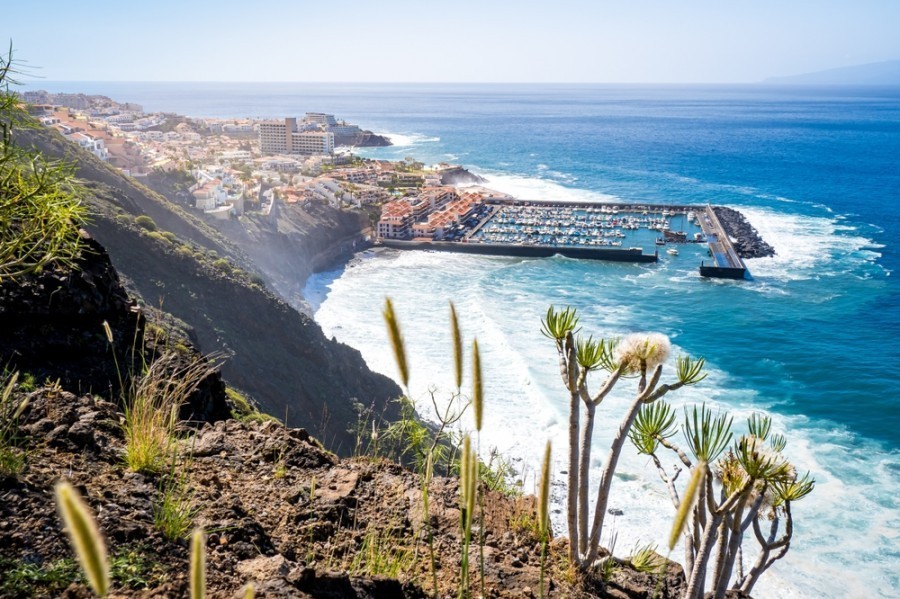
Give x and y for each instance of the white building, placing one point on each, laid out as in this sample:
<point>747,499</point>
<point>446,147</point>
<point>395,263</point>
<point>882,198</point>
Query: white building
<point>94,145</point>
<point>320,118</point>
<point>312,142</point>
<point>276,137</point>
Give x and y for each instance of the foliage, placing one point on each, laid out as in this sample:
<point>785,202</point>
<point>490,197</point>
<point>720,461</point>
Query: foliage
<point>25,579</point>
<point>750,472</point>
<point>638,355</point>
<point>151,409</point>
<point>223,265</point>
<point>646,559</point>
<point>12,460</point>
<point>173,510</point>
<point>133,568</point>
<point>381,555</point>
<point>146,223</point>
<point>40,206</point>
<point>498,474</point>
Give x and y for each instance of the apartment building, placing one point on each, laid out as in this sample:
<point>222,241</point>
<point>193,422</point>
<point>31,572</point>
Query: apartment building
<point>277,137</point>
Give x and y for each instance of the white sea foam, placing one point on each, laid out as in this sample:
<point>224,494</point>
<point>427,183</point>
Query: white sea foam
<point>850,520</point>
<point>807,246</point>
<point>535,188</point>
<point>402,140</point>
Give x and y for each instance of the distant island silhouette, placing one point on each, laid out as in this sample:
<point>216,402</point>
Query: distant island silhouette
<point>874,73</point>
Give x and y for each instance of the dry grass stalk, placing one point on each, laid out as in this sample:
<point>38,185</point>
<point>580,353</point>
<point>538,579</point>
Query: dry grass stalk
<point>477,386</point>
<point>151,410</point>
<point>390,318</point>
<point>198,564</point>
<point>85,537</point>
<point>457,346</point>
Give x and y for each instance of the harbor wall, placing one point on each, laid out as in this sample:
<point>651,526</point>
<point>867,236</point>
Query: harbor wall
<point>525,251</point>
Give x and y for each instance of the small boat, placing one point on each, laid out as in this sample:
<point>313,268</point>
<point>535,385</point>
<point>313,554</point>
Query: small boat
<point>660,241</point>
<point>672,252</point>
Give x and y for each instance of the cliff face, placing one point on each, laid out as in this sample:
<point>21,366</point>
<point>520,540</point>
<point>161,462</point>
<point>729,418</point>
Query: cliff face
<point>275,354</point>
<point>52,327</point>
<point>295,241</point>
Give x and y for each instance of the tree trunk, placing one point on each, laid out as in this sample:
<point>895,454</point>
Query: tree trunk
<point>698,574</point>
<point>606,477</point>
<point>584,477</point>
<point>574,409</point>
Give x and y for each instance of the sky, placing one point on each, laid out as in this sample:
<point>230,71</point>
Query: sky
<point>602,41</point>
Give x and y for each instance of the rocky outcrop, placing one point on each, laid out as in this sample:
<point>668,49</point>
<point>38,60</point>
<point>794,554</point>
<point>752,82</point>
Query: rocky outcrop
<point>364,139</point>
<point>278,510</point>
<point>458,175</point>
<point>295,241</point>
<point>745,238</point>
<point>52,327</point>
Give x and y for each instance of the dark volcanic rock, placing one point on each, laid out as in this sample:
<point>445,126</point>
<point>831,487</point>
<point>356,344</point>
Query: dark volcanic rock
<point>52,327</point>
<point>457,175</point>
<point>746,240</point>
<point>367,139</point>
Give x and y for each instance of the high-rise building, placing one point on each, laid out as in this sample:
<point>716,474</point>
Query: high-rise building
<point>276,137</point>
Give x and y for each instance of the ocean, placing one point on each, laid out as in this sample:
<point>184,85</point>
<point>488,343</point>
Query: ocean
<point>811,340</point>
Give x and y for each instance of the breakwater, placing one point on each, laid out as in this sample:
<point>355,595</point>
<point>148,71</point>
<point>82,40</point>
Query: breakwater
<point>525,251</point>
<point>747,241</point>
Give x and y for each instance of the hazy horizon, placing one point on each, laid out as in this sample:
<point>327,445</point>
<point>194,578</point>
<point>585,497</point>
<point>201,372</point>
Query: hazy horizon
<point>571,42</point>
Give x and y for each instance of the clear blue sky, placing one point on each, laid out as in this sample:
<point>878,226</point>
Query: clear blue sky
<point>633,41</point>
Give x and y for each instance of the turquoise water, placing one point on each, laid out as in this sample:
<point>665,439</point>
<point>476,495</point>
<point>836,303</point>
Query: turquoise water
<point>811,340</point>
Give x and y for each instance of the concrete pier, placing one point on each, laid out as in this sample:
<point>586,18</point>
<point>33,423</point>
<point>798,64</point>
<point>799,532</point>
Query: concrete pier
<point>726,264</point>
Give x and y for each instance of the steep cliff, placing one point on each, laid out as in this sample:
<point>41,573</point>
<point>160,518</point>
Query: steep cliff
<point>187,268</point>
<point>295,241</point>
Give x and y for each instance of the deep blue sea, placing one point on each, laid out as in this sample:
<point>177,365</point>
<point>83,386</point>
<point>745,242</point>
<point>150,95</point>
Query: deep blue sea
<point>811,340</point>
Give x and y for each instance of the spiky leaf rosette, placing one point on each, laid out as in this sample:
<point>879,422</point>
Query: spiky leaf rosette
<point>654,421</point>
<point>557,324</point>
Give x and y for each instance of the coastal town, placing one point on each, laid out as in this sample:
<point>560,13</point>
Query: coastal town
<point>226,168</point>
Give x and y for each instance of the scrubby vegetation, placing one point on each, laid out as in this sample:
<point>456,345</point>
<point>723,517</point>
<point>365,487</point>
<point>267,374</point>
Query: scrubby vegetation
<point>40,209</point>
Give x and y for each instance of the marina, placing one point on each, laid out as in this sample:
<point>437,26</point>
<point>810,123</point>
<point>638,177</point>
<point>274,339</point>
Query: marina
<point>597,231</point>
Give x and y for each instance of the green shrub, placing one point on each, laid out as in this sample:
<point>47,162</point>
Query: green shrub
<point>40,205</point>
<point>173,513</point>
<point>22,579</point>
<point>159,237</point>
<point>223,265</point>
<point>12,460</point>
<point>243,409</point>
<point>146,223</point>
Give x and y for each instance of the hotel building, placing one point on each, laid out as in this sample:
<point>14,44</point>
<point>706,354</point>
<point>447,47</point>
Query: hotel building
<point>277,137</point>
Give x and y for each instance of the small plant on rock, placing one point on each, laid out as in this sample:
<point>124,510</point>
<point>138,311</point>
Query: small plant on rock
<point>12,461</point>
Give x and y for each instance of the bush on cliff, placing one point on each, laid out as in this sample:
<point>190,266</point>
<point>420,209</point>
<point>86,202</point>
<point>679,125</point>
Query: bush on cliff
<point>40,211</point>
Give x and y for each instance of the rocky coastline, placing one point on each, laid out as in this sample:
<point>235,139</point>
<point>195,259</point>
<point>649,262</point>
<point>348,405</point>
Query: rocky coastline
<point>747,241</point>
<point>363,139</point>
<point>458,175</point>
